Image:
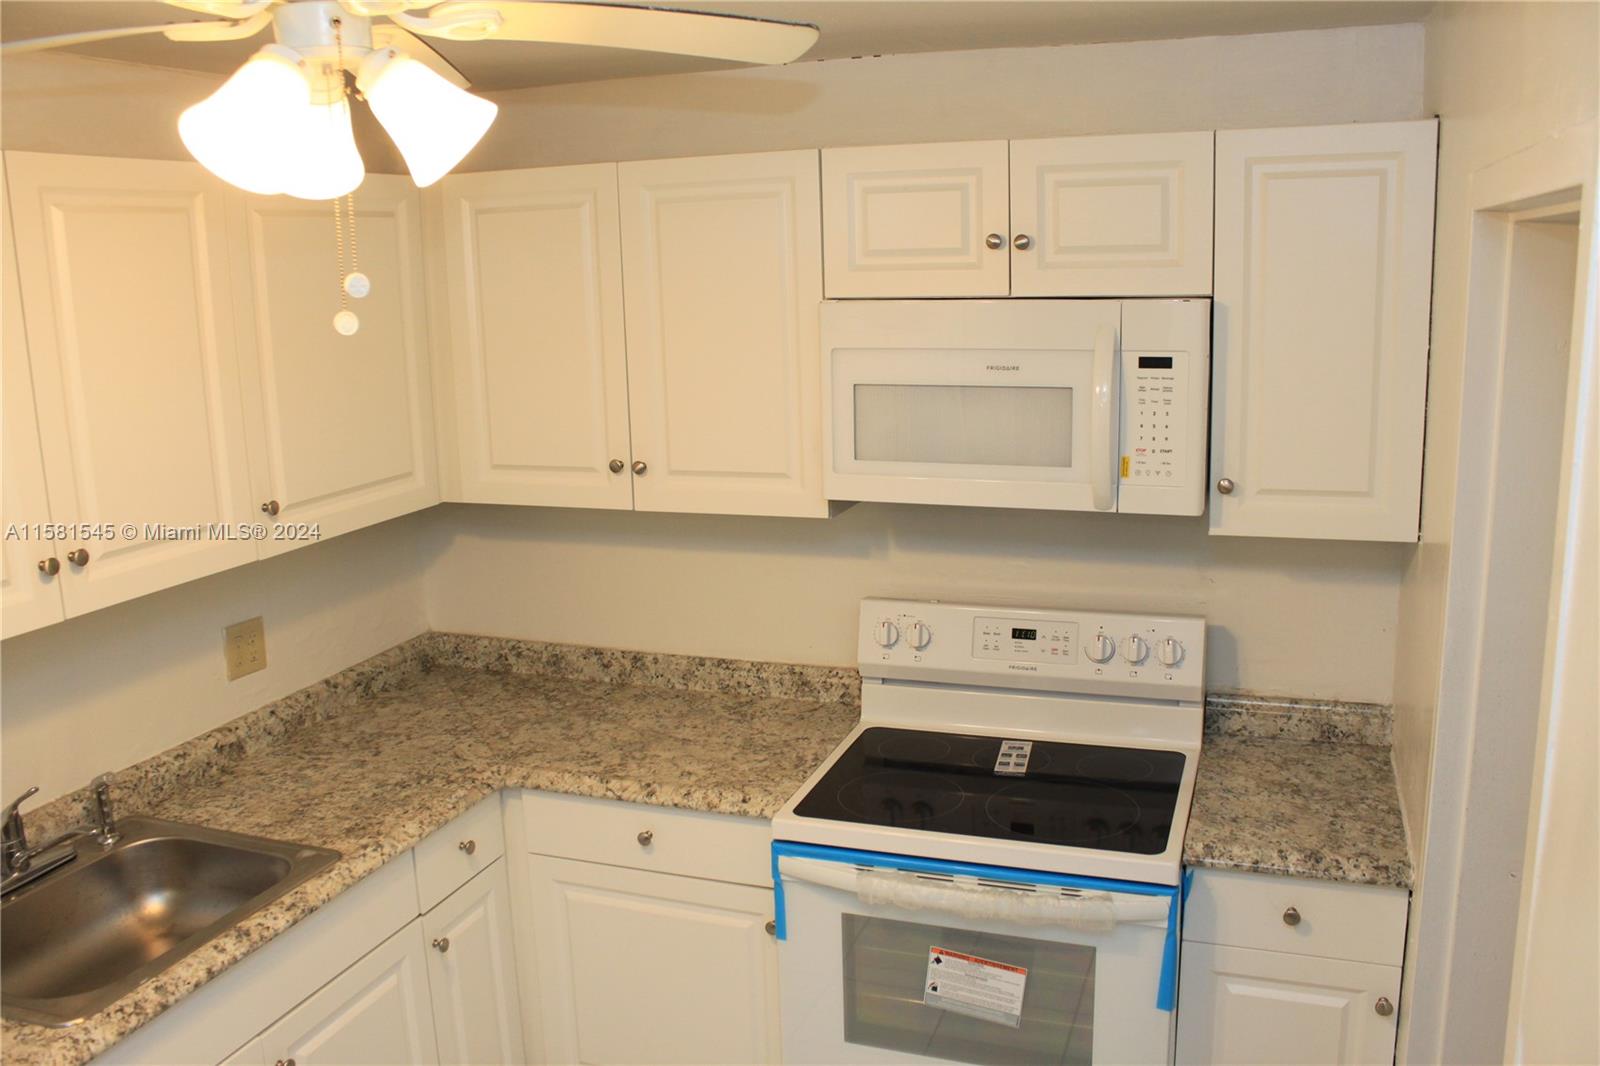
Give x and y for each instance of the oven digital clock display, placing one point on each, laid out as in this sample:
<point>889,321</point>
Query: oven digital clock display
<point>1024,634</point>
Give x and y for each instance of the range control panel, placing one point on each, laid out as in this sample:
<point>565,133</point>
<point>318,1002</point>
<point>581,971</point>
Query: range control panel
<point>1034,648</point>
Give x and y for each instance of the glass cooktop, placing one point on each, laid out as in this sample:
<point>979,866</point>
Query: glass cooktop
<point>1044,792</point>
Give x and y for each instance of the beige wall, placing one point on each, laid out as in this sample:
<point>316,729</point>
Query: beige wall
<point>105,690</point>
<point>1501,76</point>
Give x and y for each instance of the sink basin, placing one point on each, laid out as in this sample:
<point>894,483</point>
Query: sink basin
<point>81,937</point>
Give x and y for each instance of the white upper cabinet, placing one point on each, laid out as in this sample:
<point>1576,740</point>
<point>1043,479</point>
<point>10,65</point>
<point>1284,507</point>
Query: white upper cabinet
<point>341,428</point>
<point>1320,350</point>
<point>131,339</point>
<point>539,363</point>
<point>916,220</point>
<point>1112,216</point>
<point>30,594</point>
<point>722,261</point>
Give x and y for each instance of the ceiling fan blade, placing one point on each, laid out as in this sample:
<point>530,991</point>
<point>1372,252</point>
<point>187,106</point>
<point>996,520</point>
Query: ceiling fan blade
<point>64,40</point>
<point>651,29</point>
<point>388,35</point>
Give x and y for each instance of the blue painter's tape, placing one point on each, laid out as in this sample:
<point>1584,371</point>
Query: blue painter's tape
<point>1166,990</point>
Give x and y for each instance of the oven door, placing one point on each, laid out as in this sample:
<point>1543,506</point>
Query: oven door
<point>994,403</point>
<point>887,959</point>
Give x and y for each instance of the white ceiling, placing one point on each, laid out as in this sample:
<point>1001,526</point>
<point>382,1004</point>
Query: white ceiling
<point>849,28</point>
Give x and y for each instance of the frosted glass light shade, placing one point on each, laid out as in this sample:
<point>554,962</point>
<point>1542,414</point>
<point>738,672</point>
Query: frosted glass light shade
<point>433,123</point>
<point>238,131</point>
<point>321,161</point>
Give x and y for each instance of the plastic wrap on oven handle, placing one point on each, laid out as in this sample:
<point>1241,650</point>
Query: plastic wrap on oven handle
<point>1091,912</point>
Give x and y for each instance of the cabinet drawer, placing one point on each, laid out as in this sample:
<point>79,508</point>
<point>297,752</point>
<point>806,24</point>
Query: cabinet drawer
<point>448,859</point>
<point>720,847</point>
<point>1362,923</point>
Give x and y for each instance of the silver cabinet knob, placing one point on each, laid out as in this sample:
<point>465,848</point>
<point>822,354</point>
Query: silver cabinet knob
<point>78,557</point>
<point>639,467</point>
<point>1383,1007</point>
<point>441,944</point>
<point>270,507</point>
<point>645,837</point>
<point>995,241</point>
<point>1291,917</point>
<point>284,1062</point>
<point>1022,242</point>
<point>772,927</point>
<point>617,466</point>
<point>50,567</point>
<point>1225,486</point>
<point>468,846</point>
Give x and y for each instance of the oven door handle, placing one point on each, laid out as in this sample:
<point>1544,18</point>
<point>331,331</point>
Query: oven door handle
<point>1103,458</point>
<point>1086,911</point>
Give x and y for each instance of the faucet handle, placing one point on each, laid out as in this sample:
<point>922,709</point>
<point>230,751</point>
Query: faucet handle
<point>11,808</point>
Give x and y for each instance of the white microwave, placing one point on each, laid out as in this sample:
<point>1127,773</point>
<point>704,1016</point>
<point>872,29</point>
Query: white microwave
<point>1055,404</point>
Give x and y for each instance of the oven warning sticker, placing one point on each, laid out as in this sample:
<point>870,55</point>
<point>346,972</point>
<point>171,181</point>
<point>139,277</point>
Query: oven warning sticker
<point>1013,757</point>
<point>978,988</point>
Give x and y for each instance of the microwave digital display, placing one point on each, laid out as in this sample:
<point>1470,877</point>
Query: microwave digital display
<point>1155,362</point>
<point>1024,634</point>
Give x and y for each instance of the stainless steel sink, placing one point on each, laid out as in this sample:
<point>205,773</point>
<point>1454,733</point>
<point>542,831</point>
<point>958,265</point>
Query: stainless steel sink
<point>81,937</point>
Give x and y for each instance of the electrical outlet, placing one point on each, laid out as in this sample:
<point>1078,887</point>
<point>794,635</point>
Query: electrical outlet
<point>244,646</point>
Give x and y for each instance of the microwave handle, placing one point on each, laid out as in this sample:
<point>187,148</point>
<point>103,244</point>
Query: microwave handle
<point>1103,420</point>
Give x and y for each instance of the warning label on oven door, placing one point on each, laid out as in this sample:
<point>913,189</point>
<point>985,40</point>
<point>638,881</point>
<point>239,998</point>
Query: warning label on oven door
<point>978,988</point>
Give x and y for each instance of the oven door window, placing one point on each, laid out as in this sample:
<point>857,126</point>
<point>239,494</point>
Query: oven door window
<point>972,425</point>
<point>886,967</point>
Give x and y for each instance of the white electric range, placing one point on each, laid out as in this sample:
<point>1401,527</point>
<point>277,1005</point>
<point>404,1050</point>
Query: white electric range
<point>987,869</point>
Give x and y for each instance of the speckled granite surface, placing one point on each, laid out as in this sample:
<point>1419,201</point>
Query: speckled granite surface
<point>376,757</point>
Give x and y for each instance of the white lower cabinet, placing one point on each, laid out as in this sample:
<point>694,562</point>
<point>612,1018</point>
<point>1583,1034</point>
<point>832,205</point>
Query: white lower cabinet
<point>637,966</point>
<point>375,1012</point>
<point>472,973</point>
<point>1242,1005</point>
<point>1284,970</point>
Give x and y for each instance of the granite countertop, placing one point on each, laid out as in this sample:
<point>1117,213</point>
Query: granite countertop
<point>376,758</point>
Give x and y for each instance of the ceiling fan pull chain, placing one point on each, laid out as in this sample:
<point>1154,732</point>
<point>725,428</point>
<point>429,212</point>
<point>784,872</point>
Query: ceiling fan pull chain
<point>345,321</point>
<point>356,283</point>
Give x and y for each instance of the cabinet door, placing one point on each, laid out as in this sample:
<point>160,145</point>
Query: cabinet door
<point>1320,355</point>
<point>375,1012</point>
<point>722,261</point>
<point>477,1011</point>
<point>29,596</point>
<point>131,340</point>
<point>916,220</point>
<point>646,967</point>
<point>1242,1005</point>
<point>540,369</point>
<point>341,428</point>
<point>1112,216</point>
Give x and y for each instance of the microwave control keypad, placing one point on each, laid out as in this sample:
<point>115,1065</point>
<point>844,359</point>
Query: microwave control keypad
<point>1155,389</point>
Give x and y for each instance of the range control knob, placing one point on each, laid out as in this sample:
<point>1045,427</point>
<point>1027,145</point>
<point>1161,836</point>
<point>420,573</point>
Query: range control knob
<point>1101,648</point>
<point>1170,652</point>
<point>887,634</point>
<point>1134,649</point>
<point>918,635</point>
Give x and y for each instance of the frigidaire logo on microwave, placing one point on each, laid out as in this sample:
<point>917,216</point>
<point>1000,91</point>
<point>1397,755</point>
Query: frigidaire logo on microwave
<point>1002,366</point>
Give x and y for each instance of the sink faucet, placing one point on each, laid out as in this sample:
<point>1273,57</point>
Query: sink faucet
<point>105,828</point>
<point>20,864</point>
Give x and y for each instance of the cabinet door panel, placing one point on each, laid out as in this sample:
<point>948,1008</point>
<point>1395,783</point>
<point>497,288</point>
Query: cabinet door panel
<point>29,597</point>
<point>476,1006</point>
<point>1320,364</point>
<point>912,220</point>
<point>376,1013</point>
<point>540,368</point>
<point>722,262</point>
<point>644,967</point>
<point>131,339</point>
<point>341,427</point>
<point>1112,216</point>
<point>1243,1005</point>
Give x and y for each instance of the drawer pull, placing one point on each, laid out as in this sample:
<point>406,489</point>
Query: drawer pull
<point>442,944</point>
<point>468,846</point>
<point>772,927</point>
<point>284,1062</point>
<point>1383,1007</point>
<point>645,837</point>
<point>1291,917</point>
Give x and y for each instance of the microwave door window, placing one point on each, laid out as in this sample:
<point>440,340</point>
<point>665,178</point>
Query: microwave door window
<point>964,425</point>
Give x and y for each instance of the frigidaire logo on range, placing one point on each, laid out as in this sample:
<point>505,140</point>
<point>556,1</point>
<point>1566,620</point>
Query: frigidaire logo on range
<point>1022,666</point>
<point>1000,366</point>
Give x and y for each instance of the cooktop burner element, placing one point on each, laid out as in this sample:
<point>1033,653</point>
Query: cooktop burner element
<point>1074,795</point>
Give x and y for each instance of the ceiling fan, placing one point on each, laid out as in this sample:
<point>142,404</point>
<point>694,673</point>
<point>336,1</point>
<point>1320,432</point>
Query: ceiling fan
<point>281,123</point>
